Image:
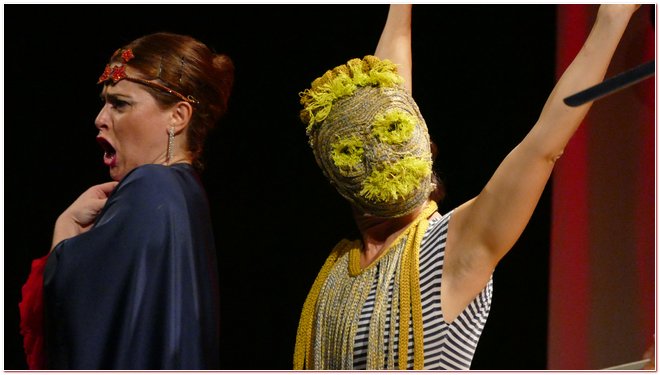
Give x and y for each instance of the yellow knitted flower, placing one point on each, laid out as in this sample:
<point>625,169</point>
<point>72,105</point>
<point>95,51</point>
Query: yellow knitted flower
<point>347,153</point>
<point>395,126</point>
<point>397,180</point>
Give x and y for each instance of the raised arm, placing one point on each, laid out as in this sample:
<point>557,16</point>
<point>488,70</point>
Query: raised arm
<point>485,228</point>
<point>395,41</point>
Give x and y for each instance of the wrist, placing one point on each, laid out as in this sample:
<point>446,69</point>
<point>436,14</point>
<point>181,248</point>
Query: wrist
<point>616,13</point>
<point>65,227</point>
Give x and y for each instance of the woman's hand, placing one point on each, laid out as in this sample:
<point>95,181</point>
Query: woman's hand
<point>78,218</point>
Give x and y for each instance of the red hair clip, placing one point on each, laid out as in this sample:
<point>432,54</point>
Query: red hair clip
<point>118,72</point>
<point>127,55</point>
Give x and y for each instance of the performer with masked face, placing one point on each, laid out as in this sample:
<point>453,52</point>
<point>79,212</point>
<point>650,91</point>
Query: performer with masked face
<point>415,291</point>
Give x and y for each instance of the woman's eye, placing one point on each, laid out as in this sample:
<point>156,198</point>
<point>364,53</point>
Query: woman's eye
<point>118,103</point>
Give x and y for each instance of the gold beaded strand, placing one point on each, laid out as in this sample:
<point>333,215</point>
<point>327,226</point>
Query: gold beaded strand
<point>331,313</point>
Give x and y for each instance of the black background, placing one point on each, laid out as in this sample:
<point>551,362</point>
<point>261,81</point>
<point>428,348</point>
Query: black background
<point>481,76</point>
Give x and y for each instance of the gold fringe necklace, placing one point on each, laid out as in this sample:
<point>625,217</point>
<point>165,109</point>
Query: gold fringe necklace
<point>330,316</point>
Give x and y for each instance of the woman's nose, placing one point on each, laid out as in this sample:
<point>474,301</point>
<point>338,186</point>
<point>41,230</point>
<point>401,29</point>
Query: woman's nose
<point>101,120</point>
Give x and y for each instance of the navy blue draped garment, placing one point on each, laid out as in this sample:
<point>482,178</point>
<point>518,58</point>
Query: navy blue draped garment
<point>138,290</point>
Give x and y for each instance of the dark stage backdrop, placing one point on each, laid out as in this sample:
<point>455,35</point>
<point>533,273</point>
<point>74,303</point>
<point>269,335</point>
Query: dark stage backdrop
<point>481,76</point>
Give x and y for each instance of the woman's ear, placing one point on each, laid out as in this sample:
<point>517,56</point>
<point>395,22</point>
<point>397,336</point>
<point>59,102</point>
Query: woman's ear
<point>181,116</point>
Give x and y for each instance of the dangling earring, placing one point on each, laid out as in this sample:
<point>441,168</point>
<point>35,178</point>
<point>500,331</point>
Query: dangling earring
<point>170,145</point>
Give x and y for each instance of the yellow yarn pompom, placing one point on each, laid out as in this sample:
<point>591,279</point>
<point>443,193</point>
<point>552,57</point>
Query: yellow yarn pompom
<point>343,81</point>
<point>396,180</point>
<point>395,126</point>
<point>347,153</point>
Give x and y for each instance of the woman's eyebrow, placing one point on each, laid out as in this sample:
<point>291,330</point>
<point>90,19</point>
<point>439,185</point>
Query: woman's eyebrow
<point>115,96</point>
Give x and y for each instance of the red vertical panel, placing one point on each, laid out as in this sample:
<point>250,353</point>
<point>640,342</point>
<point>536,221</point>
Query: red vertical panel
<point>645,203</point>
<point>569,259</point>
<point>602,286</point>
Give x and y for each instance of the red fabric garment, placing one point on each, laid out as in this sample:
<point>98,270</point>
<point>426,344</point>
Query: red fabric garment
<point>32,315</point>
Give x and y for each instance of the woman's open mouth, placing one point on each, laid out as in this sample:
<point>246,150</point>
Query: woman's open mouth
<point>109,153</point>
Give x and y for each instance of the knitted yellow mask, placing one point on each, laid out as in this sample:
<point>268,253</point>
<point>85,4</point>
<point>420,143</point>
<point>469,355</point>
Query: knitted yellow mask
<point>368,137</point>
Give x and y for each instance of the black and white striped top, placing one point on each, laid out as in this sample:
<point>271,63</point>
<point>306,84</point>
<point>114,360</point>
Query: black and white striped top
<point>446,346</point>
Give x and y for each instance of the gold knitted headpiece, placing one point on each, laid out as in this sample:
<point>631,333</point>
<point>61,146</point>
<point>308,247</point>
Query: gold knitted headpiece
<point>368,137</point>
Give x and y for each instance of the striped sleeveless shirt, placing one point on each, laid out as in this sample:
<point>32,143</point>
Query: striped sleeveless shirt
<point>446,346</point>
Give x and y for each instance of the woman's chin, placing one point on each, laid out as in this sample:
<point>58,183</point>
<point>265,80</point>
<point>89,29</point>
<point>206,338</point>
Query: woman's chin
<point>116,174</point>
